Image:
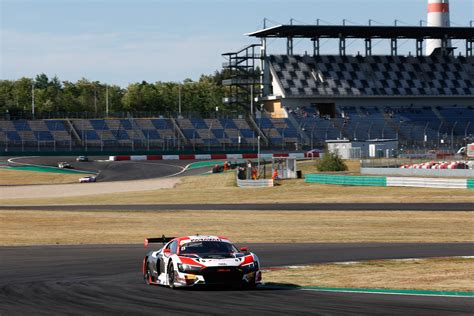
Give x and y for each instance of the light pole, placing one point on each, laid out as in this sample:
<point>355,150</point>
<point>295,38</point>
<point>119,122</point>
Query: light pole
<point>33,98</point>
<point>258,153</point>
<point>107,100</point>
<point>179,100</point>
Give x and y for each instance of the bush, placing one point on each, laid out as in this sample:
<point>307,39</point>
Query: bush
<point>331,162</point>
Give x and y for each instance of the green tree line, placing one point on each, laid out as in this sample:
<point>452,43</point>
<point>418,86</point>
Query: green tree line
<point>51,95</point>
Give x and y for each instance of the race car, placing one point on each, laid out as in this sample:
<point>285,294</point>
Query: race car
<point>64,165</point>
<point>200,260</point>
<point>82,159</point>
<point>87,179</point>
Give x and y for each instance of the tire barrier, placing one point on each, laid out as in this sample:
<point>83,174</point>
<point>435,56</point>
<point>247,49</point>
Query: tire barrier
<point>391,181</point>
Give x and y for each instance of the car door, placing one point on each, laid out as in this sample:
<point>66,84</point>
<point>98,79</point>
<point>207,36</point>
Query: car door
<point>163,259</point>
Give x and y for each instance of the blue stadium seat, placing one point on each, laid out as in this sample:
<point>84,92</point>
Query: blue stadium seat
<point>21,125</point>
<point>99,124</point>
<point>55,125</point>
<point>43,136</point>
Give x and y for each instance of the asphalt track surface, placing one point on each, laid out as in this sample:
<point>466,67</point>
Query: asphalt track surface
<point>115,170</point>
<point>80,280</point>
<point>254,207</point>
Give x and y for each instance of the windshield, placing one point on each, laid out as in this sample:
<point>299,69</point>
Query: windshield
<point>207,247</point>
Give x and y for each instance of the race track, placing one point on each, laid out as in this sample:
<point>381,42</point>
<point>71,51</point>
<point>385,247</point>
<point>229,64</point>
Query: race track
<point>112,170</point>
<point>107,280</point>
<point>310,207</point>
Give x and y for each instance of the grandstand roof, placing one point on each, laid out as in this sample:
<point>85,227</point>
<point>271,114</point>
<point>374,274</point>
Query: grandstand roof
<point>362,31</point>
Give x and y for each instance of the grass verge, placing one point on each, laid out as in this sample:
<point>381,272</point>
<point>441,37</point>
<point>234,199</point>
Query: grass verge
<point>16,177</point>
<point>220,188</point>
<point>101,227</point>
<point>438,274</point>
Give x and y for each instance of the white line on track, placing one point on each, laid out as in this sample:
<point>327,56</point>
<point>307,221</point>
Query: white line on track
<point>386,293</point>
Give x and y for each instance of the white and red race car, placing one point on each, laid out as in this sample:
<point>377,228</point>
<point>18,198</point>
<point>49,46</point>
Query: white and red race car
<point>200,260</point>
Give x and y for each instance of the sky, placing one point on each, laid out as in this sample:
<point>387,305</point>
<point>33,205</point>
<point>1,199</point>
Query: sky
<point>125,41</point>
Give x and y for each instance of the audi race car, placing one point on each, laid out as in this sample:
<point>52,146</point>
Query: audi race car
<point>87,179</point>
<point>200,260</point>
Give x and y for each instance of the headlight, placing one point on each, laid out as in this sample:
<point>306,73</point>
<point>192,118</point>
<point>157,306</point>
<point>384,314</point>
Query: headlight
<point>188,268</point>
<point>253,266</point>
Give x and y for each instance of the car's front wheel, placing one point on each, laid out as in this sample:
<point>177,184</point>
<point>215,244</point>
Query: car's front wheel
<point>171,275</point>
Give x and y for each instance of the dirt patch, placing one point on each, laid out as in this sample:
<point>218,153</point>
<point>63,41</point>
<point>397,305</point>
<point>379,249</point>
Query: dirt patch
<point>101,227</point>
<point>440,274</point>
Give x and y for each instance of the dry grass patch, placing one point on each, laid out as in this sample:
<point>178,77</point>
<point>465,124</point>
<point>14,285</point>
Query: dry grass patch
<point>100,227</point>
<point>15,177</point>
<point>441,274</point>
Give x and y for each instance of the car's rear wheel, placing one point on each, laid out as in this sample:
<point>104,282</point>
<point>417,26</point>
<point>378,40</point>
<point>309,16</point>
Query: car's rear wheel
<point>147,275</point>
<point>171,275</point>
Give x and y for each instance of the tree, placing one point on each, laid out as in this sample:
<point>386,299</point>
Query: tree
<point>331,161</point>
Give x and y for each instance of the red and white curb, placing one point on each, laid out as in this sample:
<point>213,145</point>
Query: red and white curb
<point>208,156</point>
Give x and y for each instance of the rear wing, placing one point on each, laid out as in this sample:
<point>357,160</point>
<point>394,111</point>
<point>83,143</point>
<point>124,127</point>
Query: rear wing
<point>163,239</point>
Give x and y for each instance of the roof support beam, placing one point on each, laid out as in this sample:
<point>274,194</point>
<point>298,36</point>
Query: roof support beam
<point>342,45</point>
<point>315,46</point>
<point>289,46</point>
<point>393,46</point>
<point>469,44</point>
<point>368,47</point>
<point>419,47</point>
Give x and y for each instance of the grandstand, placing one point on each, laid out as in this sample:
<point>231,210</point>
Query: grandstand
<point>423,101</point>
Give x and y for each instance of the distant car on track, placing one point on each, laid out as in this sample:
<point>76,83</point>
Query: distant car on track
<point>200,260</point>
<point>82,159</point>
<point>64,165</point>
<point>87,179</point>
<point>314,153</point>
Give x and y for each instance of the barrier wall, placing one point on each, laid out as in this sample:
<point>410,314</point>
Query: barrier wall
<point>470,183</point>
<point>391,181</point>
<point>255,183</point>
<point>468,173</point>
<point>346,180</point>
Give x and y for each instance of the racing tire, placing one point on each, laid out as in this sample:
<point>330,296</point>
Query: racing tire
<point>171,275</point>
<point>147,276</point>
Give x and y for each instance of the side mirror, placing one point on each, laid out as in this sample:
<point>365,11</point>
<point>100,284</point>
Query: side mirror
<point>167,252</point>
<point>244,249</point>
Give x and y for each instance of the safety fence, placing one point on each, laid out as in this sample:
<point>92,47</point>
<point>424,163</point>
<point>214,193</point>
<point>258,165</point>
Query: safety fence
<point>390,181</point>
